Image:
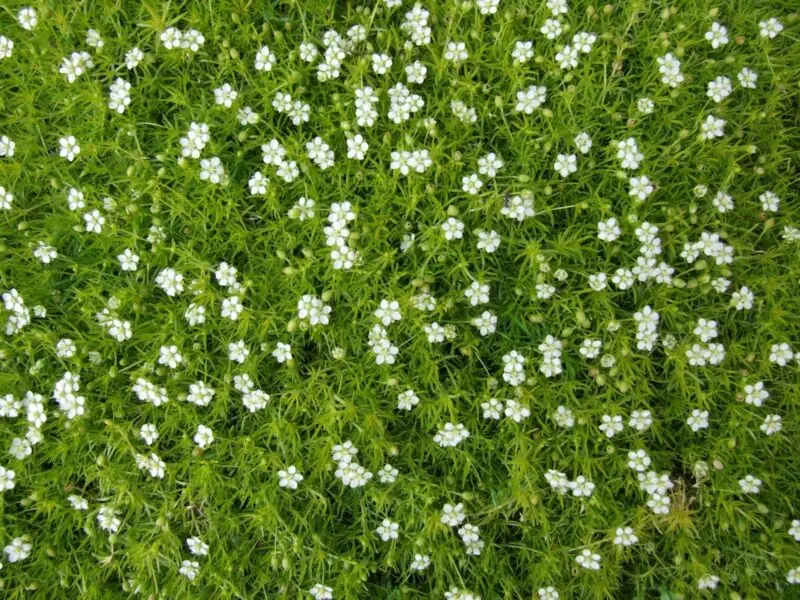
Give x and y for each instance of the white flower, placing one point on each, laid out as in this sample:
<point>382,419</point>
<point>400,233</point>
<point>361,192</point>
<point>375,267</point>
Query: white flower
<point>231,308</point>
<point>308,52</point>
<point>583,41</point>
<point>583,142</point>
<point>195,315</point>
<point>641,187</point>
<point>212,169</point>
<point>247,116</point>
<point>19,549</point>
<point>170,356</point>
<point>387,474</point>
<point>756,393</point>
<point>456,52</point>
<point>94,221</point>
<point>638,460</point>
<point>453,229</point>
<point>558,481</point>
<point>717,35</point>
<point>488,241</point>
<point>770,28</point>
<point>357,147</point>
<point>780,354</point>
<point>265,59</point>
<point>238,351</point>
<point>742,299</point>
<point>6,479</point>
<point>564,417</point>
<point>453,514</point>
<point>289,478</point>
<point>486,323</point>
<point>420,562</point>
<point>611,426</point>
<point>722,202</point>
<point>416,72</point>
<point>94,40</point>
<point>566,164</point>
<point>471,184</point>
<point>698,420</point>
<point>581,487</point>
<point>719,89</point>
<point>197,546</point>
<point>203,437</point>
<point>640,420</point>
<point>407,400</point>
<point>628,152</point>
<point>381,63</point>
<point>282,352</point>
<point>712,127</point>
<point>747,78</point>
<point>303,209</point>
<point>312,309</point>
<point>477,293</point>
<point>128,261</point>
<point>794,530</point>
<point>772,424</point>
<point>530,99</point>
<point>488,7</point>
<point>567,57</point>
<point>551,29</point>
<point>45,253</point>
<point>108,520</point>
<point>608,230</point>
<point>388,530</point>
<point>69,147</point>
<point>320,152</point>
<point>625,536</point>
<point>708,582</point>
<point>492,409</point>
<point>27,18</point>
<point>171,38</point>
<point>523,52</point>
<point>388,312</point>
<point>7,146</point>
<point>590,349</point>
<point>189,569</point>
<point>588,560</point>
<point>769,202</point>
<point>148,433</point>
<point>598,281</point>
<point>548,593</point>
<point>750,484</point>
<point>65,348</point>
<point>516,412</point>
<point>451,435</point>
<point>78,502</point>
<point>225,95</point>
<point>119,95</point>
<point>518,207</point>
<point>434,332</point>
<point>133,57</point>
<point>321,592</point>
<point>6,199</point>
<point>513,368</point>
<point>288,170</point>
<point>9,406</point>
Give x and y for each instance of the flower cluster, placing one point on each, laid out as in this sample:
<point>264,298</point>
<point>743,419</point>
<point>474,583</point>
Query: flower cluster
<point>604,192</point>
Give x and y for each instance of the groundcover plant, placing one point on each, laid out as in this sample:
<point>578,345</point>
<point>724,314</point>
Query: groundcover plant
<point>436,299</point>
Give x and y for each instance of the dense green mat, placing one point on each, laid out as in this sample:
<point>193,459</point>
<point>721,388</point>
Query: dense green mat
<point>491,299</point>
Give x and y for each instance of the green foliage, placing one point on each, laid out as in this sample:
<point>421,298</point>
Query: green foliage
<point>269,542</point>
